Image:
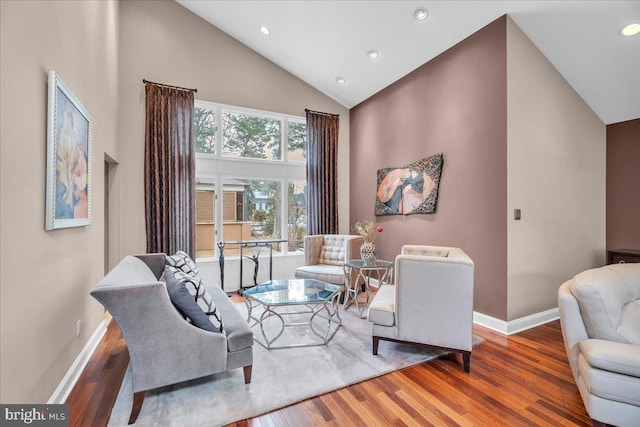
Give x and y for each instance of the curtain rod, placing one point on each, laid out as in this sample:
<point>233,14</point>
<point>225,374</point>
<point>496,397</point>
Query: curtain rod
<point>320,112</point>
<point>170,86</point>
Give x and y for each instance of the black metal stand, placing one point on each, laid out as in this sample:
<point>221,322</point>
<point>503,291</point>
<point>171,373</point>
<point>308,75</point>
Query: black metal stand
<point>255,258</point>
<point>221,262</point>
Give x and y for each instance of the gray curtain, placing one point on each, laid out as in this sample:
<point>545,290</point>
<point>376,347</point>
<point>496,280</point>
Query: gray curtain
<point>322,172</point>
<point>169,169</point>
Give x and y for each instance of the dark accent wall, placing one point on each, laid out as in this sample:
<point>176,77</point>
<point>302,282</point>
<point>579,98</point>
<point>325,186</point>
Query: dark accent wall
<point>623,185</point>
<point>455,104</point>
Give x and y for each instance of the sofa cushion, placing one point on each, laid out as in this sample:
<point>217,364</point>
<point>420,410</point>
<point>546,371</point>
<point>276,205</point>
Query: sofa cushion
<point>612,356</point>
<point>609,385</point>
<point>382,308</point>
<point>239,335</point>
<point>608,299</point>
<point>333,250</point>
<point>325,273</point>
<point>183,261</point>
<point>189,296</point>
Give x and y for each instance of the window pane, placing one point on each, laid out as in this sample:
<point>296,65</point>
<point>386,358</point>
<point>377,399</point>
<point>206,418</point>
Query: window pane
<point>205,219</point>
<point>250,136</point>
<point>204,130</point>
<point>297,141</point>
<point>262,202</point>
<point>297,215</point>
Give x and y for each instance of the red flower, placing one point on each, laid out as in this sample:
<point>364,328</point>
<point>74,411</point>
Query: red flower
<point>380,229</point>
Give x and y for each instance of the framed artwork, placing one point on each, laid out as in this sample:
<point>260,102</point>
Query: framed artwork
<point>69,133</point>
<point>408,190</point>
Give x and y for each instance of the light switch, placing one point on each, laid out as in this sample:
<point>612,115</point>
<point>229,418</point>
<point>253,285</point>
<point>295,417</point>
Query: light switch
<point>516,214</point>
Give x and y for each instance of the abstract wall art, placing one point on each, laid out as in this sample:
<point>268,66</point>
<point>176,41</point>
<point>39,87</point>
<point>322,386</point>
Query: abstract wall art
<point>409,190</point>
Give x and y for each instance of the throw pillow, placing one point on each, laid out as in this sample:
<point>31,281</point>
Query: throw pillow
<point>183,261</point>
<point>192,300</point>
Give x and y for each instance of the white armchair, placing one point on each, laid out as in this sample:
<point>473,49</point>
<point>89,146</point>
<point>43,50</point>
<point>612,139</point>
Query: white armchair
<point>600,319</point>
<point>325,255</point>
<point>431,303</point>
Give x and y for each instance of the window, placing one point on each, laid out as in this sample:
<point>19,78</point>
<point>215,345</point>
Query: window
<point>250,178</point>
<point>297,211</point>
<point>251,136</point>
<point>204,124</point>
<point>297,141</point>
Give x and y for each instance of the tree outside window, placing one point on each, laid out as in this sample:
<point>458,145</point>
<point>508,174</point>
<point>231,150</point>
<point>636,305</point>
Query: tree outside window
<point>204,130</point>
<point>297,141</point>
<point>297,215</point>
<point>249,136</point>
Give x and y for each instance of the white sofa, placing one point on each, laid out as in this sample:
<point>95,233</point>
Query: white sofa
<point>600,320</point>
<point>325,255</point>
<point>431,302</point>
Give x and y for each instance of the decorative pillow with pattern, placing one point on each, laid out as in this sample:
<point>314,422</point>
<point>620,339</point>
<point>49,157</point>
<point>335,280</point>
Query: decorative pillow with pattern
<point>189,295</point>
<point>183,261</point>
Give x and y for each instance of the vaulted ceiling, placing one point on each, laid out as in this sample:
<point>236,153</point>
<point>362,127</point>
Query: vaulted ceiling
<point>322,41</point>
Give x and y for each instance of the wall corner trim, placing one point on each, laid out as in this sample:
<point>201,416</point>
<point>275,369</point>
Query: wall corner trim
<point>516,325</point>
<point>69,381</point>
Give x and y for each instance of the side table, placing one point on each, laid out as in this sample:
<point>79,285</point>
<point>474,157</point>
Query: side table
<point>356,269</point>
<point>620,256</point>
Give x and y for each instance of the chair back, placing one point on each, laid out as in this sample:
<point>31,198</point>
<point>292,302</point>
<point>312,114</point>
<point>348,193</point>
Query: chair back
<point>434,296</point>
<point>331,249</point>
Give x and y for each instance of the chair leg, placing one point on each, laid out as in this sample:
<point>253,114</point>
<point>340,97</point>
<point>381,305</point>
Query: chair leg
<point>138,398</point>
<point>247,374</point>
<point>466,361</point>
<point>376,341</point>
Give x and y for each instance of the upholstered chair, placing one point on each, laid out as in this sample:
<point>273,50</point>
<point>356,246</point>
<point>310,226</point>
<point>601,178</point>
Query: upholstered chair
<point>325,255</point>
<point>431,303</point>
<point>164,349</point>
<point>600,320</point>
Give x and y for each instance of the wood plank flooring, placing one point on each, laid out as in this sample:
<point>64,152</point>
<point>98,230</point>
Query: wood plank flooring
<point>521,380</point>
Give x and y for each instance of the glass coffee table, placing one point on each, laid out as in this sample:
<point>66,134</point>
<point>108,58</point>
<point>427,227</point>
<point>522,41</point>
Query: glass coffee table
<point>312,304</point>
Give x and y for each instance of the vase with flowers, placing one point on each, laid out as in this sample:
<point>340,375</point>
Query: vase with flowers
<point>368,229</point>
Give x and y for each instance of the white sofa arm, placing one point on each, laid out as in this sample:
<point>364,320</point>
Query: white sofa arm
<point>612,356</point>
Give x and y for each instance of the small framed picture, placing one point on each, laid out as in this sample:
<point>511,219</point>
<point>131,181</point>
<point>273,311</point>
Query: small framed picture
<point>69,133</point>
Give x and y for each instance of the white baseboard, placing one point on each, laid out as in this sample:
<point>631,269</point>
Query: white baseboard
<point>517,325</point>
<point>66,385</point>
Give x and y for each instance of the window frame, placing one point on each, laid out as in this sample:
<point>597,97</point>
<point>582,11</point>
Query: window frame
<point>219,167</point>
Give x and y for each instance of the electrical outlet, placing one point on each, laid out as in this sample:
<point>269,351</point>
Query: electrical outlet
<point>78,328</point>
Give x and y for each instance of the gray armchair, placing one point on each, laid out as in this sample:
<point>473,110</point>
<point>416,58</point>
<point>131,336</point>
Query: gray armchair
<point>164,348</point>
<point>325,255</point>
<point>431,303</point>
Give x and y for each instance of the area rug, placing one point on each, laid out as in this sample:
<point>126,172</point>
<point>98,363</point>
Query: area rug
<point>280,378</point>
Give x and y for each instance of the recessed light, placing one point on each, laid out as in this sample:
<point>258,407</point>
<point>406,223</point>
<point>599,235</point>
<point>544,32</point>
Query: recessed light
<point>340,80</point>
<point>265,30</point>
<point>372,54</point>
<point>631,29</point>
<point>420,14</point>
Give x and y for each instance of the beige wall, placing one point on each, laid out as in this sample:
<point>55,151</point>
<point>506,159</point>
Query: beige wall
<point>623,176</point>
<point>46,275</point>
<point>454,104</point>
<point>164,42</point>
<point>556,175</point>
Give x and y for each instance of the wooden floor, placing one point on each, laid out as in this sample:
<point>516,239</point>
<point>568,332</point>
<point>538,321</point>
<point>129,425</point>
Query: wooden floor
<point>521,380</point>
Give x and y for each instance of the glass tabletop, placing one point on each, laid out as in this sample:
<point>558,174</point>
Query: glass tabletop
<point>292,292</point>
<point>377,264</point>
